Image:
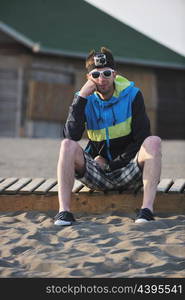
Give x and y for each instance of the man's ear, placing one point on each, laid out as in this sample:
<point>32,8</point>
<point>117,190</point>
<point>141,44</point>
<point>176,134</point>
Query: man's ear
<point>115,73</point>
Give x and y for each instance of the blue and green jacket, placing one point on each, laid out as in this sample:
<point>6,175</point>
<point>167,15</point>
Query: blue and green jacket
<point>116,128</point>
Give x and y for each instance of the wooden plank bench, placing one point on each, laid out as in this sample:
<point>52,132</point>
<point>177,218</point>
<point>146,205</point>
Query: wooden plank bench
<point>42,194</point>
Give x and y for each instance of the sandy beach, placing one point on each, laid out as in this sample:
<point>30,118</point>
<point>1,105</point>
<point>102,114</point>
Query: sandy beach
<point>108,245</point>
<point>103,246</point>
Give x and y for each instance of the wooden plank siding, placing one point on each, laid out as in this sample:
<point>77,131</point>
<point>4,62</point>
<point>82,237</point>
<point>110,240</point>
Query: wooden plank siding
<point>6,183</point>
<point>49,101</point>
<point>171,104</point>
<point>32,186</point>
<point>49,94</point>
<point>165,185</point>
<point>14,188</point>
<point>9,102</point>
<point>11,85</point>
<point>45,186</point>
<point>178,186</point>
<point>42,194</point>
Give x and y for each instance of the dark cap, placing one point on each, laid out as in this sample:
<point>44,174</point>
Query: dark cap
<point>101,59</point>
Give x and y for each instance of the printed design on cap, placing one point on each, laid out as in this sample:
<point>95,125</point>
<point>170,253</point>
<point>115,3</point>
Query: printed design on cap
<point>100,60</point>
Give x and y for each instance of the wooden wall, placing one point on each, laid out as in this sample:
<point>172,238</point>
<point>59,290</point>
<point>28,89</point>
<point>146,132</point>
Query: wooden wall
<point>145,80</point>
<point>170,122</point>
<point>10,102</point>
<point>37,90</point>
<point>47,101</point>
<point>50,90</point>
<point>13,57</point>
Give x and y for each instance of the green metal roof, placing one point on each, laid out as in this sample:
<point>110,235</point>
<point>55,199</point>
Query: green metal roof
<point>73,27</point>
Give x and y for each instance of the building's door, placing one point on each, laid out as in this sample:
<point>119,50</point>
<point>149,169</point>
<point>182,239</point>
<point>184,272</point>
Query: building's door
<point>10,110</point>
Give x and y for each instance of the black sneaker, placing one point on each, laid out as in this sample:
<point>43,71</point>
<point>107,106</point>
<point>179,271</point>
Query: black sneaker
<point>64,218</point>
<point>144,215</point>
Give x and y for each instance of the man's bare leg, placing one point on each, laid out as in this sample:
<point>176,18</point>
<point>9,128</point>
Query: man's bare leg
<point>71,158</point>
<point>150,159</point>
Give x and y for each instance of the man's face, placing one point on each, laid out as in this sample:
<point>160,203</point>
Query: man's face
<point>103,78</point>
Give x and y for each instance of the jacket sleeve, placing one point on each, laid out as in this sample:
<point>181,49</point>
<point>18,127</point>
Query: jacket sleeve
<point>140,129</point>
<point>75,123</point>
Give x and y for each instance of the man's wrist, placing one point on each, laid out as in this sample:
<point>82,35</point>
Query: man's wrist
<point>83,95</point>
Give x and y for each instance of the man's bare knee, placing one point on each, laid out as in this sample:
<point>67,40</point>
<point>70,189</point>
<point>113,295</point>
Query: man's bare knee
<point>73,150</point>
<point>150,148</point>
<point>152,145</point>
<point>68,147</point>
<point>68,144</point>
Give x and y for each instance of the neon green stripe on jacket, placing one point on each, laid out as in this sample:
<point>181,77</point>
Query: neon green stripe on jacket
<point>96,135</point>
<point>121,129</point>
<point>116,131</point>
<point>121,83</point>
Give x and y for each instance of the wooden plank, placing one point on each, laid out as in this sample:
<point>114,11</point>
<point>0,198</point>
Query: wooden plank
<point>14,188</point>
<point>28,202</point>
<point>45,187</point>
<point>6,183</point>
<point>30,187</point>
<point>45,98</point>
<point>54,189</point>
<point>178,186</point>
<point>164,185</point>
<point>77,186</point>
<point>93,203</point>
<point>88,190</point>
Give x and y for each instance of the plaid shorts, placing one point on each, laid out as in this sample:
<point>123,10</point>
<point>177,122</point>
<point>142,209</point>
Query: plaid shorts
<point>128,177</point>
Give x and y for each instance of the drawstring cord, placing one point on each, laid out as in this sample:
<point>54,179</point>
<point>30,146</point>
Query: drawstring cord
<point>99,118</point>
<point>114,116</point>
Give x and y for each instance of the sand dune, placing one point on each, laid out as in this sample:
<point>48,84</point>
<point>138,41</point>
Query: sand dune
<point>108,245</point>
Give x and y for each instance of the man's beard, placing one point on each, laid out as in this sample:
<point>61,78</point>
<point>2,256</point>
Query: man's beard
<point>103,91</point>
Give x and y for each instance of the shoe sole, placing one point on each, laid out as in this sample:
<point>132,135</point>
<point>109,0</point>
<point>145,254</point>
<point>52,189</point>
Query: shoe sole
<point>142,221</point>
<point>62,223</point>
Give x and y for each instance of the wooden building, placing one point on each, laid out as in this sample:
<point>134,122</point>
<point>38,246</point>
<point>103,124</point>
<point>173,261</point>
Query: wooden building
<point>43,46</point>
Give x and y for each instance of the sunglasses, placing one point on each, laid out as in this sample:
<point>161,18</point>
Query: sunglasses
<point>105,73</point>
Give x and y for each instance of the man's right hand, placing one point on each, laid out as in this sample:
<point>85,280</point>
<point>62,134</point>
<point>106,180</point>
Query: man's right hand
<point>101,161</point>
<point>88,89</point>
